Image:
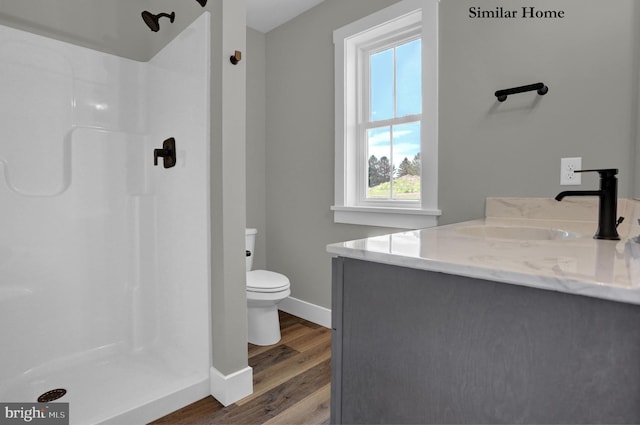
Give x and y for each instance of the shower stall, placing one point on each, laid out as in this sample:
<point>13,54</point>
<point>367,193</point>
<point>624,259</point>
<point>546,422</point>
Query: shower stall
<point>104,276</point>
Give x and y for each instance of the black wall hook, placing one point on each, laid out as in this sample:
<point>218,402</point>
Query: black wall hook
<point>540,87</point>
<point>237,57</point>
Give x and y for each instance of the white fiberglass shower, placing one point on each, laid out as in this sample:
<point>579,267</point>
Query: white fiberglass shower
<point>104,278</point>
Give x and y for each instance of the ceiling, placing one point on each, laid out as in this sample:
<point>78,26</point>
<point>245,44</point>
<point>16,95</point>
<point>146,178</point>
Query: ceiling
<point>265,15</point>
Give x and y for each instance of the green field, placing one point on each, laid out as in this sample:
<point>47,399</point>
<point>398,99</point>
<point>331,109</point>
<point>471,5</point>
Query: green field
<point>405,187</point>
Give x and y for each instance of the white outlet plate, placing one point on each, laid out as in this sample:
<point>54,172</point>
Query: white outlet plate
<point>567,168</point>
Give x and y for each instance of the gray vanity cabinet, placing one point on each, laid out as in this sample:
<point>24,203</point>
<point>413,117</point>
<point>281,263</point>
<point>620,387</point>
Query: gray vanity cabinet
<point>412,346</point>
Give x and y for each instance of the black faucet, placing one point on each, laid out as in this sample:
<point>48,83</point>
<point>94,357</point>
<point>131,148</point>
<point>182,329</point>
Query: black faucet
<point>608,194</point>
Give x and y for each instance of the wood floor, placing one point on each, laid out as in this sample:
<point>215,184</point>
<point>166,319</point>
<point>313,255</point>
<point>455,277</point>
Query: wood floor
<point>291,383</point>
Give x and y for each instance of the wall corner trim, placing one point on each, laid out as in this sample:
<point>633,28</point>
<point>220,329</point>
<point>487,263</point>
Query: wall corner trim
<point>228,389</point>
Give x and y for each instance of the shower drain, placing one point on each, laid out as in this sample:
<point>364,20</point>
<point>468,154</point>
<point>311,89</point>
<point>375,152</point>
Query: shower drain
<point>52,395</point>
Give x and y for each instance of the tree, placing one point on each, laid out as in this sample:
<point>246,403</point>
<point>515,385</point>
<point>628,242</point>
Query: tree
<point>386,169</point>
<point>374,171</point>
<point>405,168</point>
<point>415,165</point>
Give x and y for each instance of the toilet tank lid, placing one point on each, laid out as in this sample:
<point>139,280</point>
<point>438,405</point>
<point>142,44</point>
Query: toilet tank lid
<point>250,231</point>
<point>266,281</point>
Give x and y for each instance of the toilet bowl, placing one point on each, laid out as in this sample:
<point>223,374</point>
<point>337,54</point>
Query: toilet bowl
<point>265,289</point>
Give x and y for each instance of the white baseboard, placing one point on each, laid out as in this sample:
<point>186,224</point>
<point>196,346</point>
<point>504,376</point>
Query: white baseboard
<point>307,311</point>
<point>228,389</point>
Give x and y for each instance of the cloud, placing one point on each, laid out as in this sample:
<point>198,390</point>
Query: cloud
<point>406,144</point>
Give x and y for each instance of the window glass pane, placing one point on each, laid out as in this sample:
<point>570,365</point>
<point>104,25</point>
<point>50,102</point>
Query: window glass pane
<point>381,85</point>
<point>379,165</point>
<point>406,158</point>
<point>409,78</point>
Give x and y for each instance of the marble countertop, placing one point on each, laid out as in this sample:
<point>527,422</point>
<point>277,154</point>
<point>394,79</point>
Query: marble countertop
<point>579,265</point>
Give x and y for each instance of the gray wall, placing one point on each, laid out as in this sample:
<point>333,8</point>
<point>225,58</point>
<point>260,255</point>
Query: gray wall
<point>588,59</point>
<point>256,143</point>
<point>300,147</point>
<point>228,198</point>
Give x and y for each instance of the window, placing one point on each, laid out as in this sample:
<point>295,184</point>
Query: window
<point>390,126</point>
<point>386,117</point>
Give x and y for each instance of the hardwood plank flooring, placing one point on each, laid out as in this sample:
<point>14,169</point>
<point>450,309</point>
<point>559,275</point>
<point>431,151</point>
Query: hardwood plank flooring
<point>291,383</point>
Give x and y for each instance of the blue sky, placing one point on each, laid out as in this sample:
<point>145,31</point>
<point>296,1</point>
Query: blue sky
<point>408,88</point>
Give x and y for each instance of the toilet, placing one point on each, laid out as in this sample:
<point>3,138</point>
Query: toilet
<point>265,290</point>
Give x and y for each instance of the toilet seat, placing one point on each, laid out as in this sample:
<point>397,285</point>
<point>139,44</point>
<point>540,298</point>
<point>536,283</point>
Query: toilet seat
<point>266,281</point>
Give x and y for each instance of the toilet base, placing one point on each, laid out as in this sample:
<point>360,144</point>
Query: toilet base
<point>264,325</point>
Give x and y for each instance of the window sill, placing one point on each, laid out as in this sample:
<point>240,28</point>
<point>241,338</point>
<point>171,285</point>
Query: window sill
<point>400,218</point>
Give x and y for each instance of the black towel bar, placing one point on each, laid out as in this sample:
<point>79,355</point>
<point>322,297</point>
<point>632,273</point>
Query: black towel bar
<point>540,87</point>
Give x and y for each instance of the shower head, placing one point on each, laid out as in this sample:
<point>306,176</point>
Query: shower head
<point>203,3</point>
<point>152,20</point>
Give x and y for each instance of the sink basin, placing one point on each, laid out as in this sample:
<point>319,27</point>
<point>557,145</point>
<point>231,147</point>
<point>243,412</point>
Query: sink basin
<point>518,233</point>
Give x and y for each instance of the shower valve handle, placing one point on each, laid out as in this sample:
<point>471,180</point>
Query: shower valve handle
<point>168,153</point>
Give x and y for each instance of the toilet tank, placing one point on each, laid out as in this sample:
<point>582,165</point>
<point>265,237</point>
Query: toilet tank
<point>250,243</point>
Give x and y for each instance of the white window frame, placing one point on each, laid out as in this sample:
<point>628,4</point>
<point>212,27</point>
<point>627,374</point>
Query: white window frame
<point>350,42</point>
